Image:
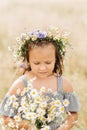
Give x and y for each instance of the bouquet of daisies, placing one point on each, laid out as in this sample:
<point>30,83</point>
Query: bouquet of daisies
<point>38,108</point>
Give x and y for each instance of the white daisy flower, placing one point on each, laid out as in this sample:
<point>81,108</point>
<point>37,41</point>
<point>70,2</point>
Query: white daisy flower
<point>17,118</point>
<point>28,116</point>
<point>32,79</point>
<point>34,37</point>
<point>13,98</point>
<point>20,109</point>
<point>22,129</point>
<point>57,103</point>
<point>24,104</point>
<point>42,89</point>
<point>11,124</point>
<point>50,90</point>
<point>27,37</point>
<point>65,102</point>
<point>30,84</point>
<point>46,128</point>
<point>11,111</point>
<point>57,37</point>
<point>23,91</point>
<point>5,107</point>
<point>33,93</point>
<point>49,34</point>
<point>26,110</point>
<point>43,104</point>
<point>50,118</point>
<point>42,118</point>
<point>18,91</point>
<point>41,111</point>
<point>18,40</point>
<point>33,106</point>
<point>15,104</point>
<point>62,109</point>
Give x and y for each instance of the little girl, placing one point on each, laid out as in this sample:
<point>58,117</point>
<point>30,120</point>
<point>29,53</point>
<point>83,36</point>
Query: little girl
<point>42,53</point>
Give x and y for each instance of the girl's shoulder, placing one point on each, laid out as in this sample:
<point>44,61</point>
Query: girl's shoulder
<point>16,85</point>
<point>20,83</point>
<point>66,84</point>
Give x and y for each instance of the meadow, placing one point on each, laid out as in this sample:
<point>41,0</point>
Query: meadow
<point>17,16</point>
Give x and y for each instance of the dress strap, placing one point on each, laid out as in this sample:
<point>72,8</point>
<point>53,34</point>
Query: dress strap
<point>24,80</point>
<point>60,83</point>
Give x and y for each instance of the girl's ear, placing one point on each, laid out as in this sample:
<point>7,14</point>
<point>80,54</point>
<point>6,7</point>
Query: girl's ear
<point>28,65</point>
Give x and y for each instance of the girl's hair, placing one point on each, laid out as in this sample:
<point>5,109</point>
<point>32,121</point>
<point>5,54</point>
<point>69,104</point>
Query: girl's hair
<point>59,58</point>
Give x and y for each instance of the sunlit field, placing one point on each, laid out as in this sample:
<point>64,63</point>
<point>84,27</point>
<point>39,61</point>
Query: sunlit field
<point>17,16</point>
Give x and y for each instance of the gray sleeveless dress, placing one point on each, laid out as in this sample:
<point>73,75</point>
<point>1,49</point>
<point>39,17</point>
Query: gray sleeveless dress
<point>73,106</point>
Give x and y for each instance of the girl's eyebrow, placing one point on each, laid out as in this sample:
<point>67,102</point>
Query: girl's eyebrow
<point>48,60</point>
<point>44,61</point>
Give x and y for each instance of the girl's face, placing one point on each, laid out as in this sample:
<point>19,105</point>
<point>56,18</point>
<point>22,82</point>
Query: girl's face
<point>42,60</point>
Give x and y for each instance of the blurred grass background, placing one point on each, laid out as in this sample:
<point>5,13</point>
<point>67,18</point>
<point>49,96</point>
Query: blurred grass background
<point>17,16</point>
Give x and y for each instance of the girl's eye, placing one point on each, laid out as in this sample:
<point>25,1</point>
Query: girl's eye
<point>37,63</point>
<point>48,62</point>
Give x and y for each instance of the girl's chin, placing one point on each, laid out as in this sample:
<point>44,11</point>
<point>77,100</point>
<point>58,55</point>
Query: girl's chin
<point>41,74</point>
<point>45,75</point>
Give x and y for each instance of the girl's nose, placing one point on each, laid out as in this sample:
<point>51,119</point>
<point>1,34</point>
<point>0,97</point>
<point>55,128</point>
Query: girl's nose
<point>42,67</point>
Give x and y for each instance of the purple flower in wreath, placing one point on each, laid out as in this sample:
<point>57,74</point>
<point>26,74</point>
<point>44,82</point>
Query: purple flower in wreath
<point>22,66</point>
<point>41,34</point>
<point>32,33</point>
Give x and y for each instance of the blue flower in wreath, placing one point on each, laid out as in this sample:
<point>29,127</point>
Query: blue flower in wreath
<point>41,34</point>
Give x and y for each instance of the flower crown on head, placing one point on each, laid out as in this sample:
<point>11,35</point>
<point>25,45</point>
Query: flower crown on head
<point>51,35</point>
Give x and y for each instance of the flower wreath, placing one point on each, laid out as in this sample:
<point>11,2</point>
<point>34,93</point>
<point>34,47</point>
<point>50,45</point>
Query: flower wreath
<point>51,35</point>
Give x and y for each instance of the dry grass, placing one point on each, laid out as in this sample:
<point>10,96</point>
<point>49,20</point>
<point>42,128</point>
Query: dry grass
<point>20,16</point>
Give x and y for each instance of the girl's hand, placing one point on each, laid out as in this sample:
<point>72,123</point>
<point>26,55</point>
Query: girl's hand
<point>24,125</point>
<point>69,122</point>
<point>63,128</point>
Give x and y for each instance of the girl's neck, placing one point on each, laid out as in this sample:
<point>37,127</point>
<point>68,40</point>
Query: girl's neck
<point>49,82</point>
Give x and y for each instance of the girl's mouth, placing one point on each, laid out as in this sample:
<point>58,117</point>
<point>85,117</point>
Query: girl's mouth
<point>42,72</point>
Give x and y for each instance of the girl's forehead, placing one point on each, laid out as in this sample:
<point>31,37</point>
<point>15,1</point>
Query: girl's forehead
<point>44,52</point>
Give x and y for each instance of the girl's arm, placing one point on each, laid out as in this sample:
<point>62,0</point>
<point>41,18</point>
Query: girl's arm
<point>21,125</point>
<point>13,90</point>
<point>72,117</point>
